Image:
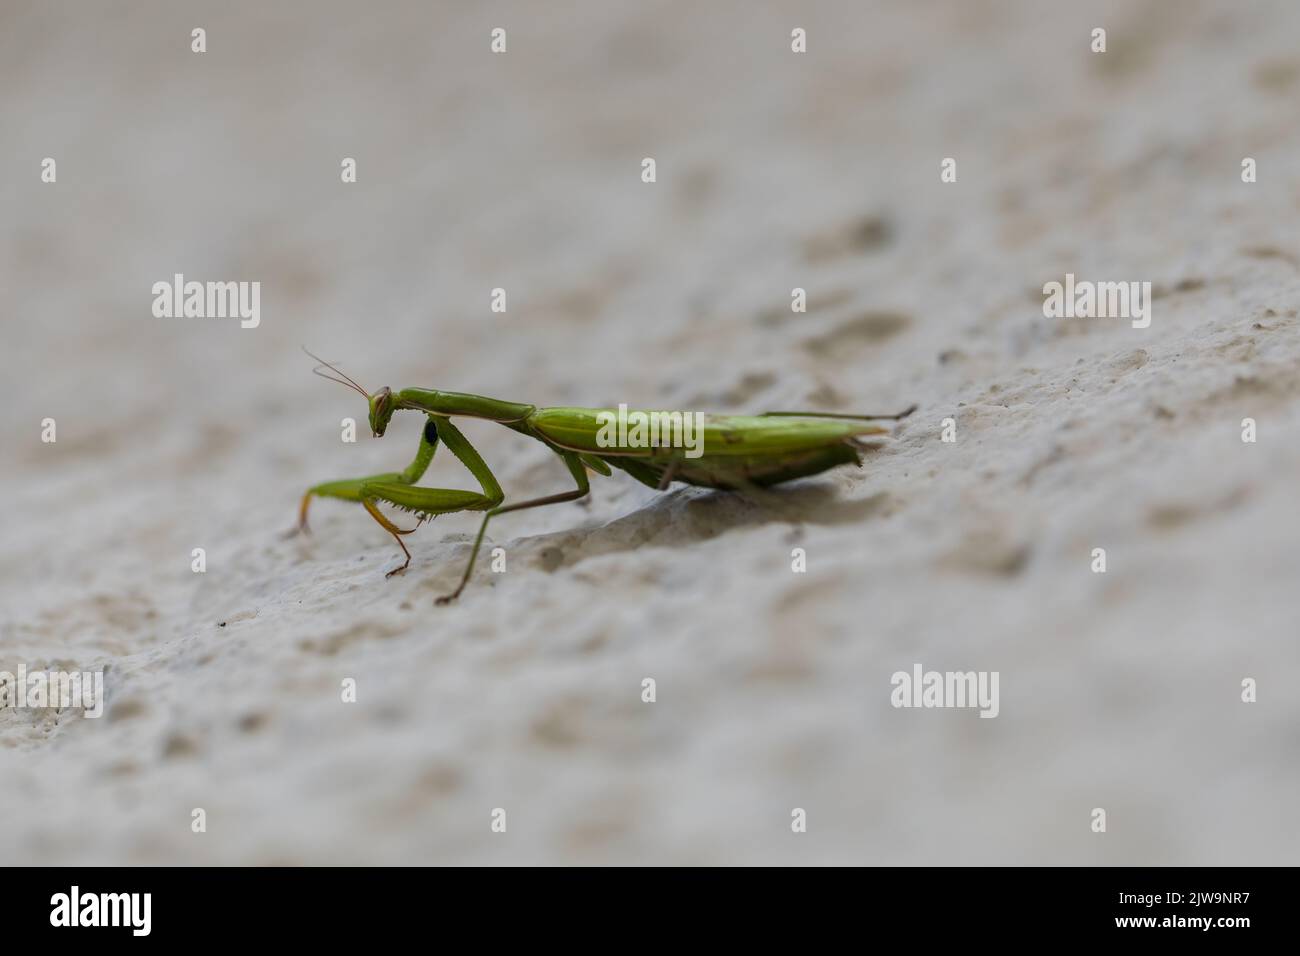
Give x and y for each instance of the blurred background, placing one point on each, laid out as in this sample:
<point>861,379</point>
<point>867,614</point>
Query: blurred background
<point>775,170</point>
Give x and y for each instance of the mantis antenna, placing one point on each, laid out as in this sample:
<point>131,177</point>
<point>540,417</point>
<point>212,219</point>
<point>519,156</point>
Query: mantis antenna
<point>343,380</point>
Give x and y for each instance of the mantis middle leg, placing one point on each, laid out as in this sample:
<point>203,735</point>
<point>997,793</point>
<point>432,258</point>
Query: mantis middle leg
<point>574,463</point>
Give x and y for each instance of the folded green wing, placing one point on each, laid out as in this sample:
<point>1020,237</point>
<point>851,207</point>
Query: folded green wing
<point>582,428</point>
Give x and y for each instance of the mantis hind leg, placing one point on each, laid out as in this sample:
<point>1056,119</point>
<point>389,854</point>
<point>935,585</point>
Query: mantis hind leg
<point>574,464</point>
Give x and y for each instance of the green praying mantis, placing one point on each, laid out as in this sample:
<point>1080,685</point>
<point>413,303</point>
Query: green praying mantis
<point>728,452</point>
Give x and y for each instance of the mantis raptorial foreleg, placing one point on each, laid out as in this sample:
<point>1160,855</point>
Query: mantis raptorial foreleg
<point>436,501</point>
<point>584,488</point>
<point>396,532</point>
<point>350,489</point>
<point>397,487</point>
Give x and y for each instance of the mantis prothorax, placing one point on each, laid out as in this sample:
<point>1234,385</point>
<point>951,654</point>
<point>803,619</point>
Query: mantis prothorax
<point>738,453</point>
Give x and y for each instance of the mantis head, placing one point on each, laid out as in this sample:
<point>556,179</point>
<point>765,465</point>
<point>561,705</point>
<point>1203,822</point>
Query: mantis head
<point>381,403</point>
<point>381,410</point>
